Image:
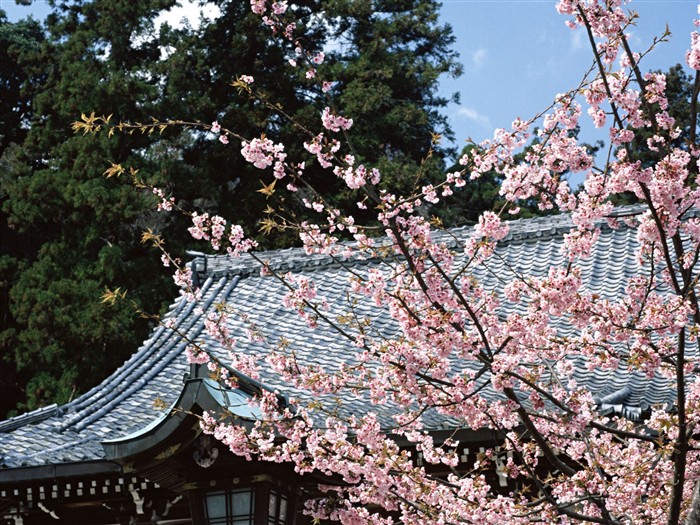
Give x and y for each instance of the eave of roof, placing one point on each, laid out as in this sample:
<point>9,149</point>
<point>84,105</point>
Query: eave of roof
<point>175,425</point>
<point>58,471</point>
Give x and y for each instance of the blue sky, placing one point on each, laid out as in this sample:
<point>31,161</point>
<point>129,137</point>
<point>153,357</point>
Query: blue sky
<point>518,54</point>
<point>39,9</point>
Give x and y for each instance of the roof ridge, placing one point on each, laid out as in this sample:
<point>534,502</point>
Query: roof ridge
<point>172,347</point>
<point>295,258</point>
<point>35,416</point>
<point>134,360</point>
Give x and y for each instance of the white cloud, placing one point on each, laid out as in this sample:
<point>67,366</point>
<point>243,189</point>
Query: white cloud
<point>634,38</point>
<point>473,115</point>
<point>577,39</point>
<point>479,57</point>
<point>182,13</point>
<point>187,10</point>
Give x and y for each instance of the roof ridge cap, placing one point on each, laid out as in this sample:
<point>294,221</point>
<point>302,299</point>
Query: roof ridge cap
<point>35,416</point>
<point>93,411</point>
<point>137,359</point>
<point>296,257</point>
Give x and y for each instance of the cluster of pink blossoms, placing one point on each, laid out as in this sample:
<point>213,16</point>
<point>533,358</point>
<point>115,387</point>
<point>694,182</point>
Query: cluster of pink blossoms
<point>259,7</point>
<point>216,128</point>
<point>166,203</point>
<point>263,153</point>
<point>692,57</point>
<point>183,279</point>
<point>323,148</point>
<point>213,229</point>
<point>356,177</point>
<point>208,228</point>
<point>334,122</point>
<point>215,325</point>
<point>196,355</point>
<point>302,297</point>
<point>581,466</point>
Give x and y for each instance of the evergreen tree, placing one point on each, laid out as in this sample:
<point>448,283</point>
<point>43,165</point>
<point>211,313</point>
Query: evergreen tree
<point>385,58</point>
<point>388,79</point>
<point>17,41</point>
<point>73,232</point>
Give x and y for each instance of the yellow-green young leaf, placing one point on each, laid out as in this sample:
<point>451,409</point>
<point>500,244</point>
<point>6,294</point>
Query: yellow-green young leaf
<point>159,404</point>
<point>114,171</point>
<point>80,126</point>
<point>149,236</point>
<point>87,125</point>
<point>110,297</point>
<point>267,225</point>
<point>344,319</point>
<point>267,190</point>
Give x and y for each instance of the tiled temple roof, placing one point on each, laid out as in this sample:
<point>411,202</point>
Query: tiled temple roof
<point>125,402</point>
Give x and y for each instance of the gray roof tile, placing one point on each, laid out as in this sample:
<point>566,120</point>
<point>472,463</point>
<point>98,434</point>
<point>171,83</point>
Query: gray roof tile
<point>124,402</point>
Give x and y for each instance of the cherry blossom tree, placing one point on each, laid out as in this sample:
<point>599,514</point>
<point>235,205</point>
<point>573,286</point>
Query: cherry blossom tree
<point>451,340</point>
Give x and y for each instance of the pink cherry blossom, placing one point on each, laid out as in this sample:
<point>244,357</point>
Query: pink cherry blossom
<point>258,6</point>
<point>279,7</point>
<point>450,327</point>
<point>335,122</point>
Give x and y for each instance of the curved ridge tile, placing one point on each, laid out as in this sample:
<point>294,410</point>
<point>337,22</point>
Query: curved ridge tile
<point>117,388</point>
<point>173,311</point>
